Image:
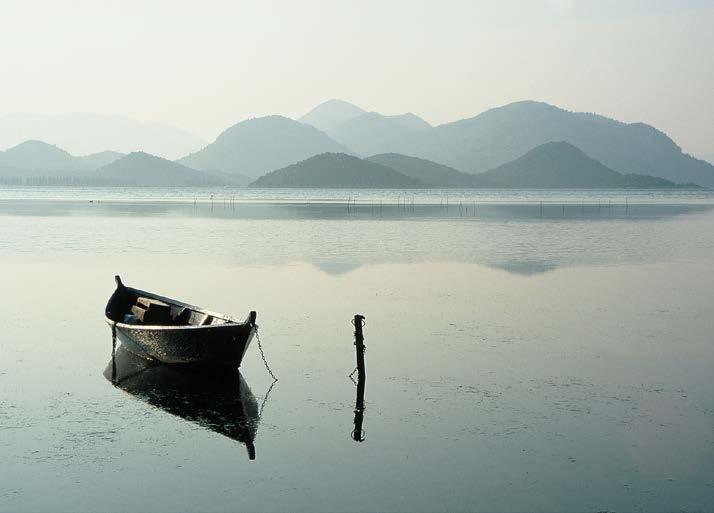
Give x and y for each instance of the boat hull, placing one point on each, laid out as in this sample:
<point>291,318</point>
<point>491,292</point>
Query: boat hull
<point>215,345</point>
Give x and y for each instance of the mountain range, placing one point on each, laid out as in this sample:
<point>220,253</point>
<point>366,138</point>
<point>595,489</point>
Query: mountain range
<point>39,162</point>
<point>445,155</point>
<point>550,165</point>
<point>502,134</point>
<point>82,134</point>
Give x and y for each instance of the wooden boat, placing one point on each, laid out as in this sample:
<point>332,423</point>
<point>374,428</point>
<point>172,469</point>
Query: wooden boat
<point>174,332</point>
<point>217,399</point>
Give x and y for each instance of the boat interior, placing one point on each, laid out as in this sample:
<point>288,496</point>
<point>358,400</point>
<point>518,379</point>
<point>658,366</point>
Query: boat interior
<point>132,307</point>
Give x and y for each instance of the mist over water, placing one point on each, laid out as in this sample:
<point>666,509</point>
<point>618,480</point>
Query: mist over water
<point>515,360</point>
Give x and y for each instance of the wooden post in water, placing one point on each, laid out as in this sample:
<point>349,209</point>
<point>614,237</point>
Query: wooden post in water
<point>357,433</point>
<point>359,345</point>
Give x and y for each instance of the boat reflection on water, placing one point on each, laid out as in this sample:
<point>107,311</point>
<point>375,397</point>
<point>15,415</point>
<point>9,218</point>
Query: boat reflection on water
<point>215,398</point>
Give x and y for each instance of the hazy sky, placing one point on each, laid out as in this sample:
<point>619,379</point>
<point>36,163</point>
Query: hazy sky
<point>206,65</point>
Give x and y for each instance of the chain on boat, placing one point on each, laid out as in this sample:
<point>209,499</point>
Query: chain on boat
<point>262,355</point>
<point>265,399</point>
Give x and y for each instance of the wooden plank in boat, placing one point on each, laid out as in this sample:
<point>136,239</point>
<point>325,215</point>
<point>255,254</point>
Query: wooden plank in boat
<point>150,311</point>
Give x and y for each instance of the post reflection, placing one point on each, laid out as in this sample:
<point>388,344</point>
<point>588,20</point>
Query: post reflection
<point>358,432</point>
<point>214,398</point>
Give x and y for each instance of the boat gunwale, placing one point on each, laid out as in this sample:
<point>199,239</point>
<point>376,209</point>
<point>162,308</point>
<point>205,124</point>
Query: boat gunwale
<point>230,321</point>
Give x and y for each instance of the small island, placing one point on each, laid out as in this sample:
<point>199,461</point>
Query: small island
<point>425,171</point>
<point>560,165</point>
<point>336,170</point>
<point>144,170</point>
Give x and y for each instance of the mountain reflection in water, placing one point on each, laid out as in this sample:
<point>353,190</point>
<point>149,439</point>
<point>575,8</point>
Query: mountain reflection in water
<point>216,399</point>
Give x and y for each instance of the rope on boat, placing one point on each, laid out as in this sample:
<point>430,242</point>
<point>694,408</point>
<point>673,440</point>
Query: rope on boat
<point>262,355</point>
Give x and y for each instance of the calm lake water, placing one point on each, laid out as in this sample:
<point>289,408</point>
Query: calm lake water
<point>520,357</point>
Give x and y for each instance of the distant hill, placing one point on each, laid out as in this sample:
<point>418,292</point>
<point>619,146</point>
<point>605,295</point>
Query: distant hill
<point>260,145</point>
<point>634,180</point>
<point>37,158</point>
<point>331,113</point>
<point>502,134</point>
<point>97,160</point>
<point>366,133</point>
<point>425,171</point>
<point>39,163</point>
<point>82,134</point>
<point>410,121</point>
<point>553,165</point>
<point>372,133</point>
<point>12,175</point>
<point>336,170</point>
<point>561,165</point>
<point>141,169</point>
